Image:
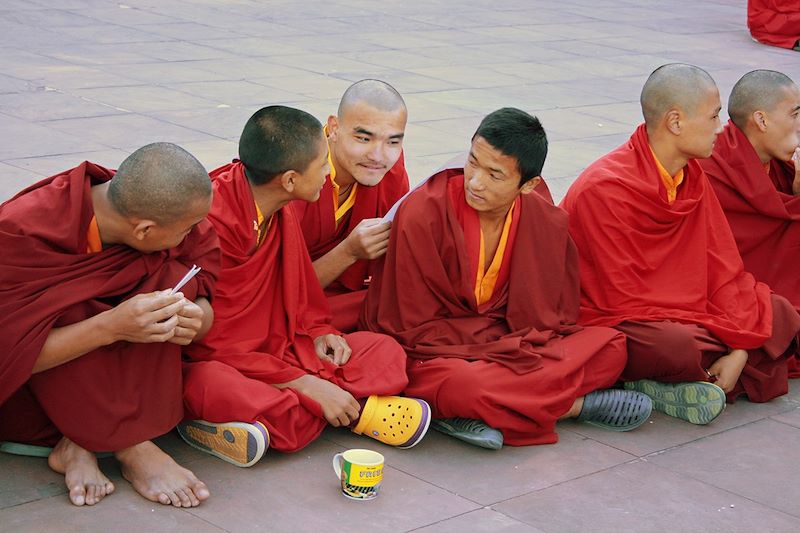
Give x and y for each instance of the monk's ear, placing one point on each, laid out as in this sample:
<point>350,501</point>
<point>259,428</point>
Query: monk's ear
<point>530,185</point>
<point>289,180</point>
<point>333,127</point>
<point>673,121</point>
<point>142,229</point>
<point>760,120</point>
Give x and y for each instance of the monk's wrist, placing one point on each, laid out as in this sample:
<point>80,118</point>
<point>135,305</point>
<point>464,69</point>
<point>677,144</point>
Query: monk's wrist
<point>103,329</point>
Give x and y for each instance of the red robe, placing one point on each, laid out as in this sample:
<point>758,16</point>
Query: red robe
<point>268,309</point>
<point>645,260</point>
<point>774,22</point>
<point>762,212</point>
<point>518,362</point>
<point>322,234</point>
<point>113,397</point>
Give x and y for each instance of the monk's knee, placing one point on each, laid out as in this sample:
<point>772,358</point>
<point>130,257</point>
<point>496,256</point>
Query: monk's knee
<point>463,382</point>
<point>662,350</point>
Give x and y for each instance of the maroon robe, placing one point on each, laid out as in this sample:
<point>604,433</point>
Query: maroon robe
<point>762,212</point>
<point>518,362</point>
<point>117,395</point>
<point>322,233</point>
<point>268,309</point>
<point>774,22</point>
<point>644,260</point>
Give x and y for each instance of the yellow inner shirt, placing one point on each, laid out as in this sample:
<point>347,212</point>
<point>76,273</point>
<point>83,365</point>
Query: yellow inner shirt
<point>261,228</point>
<point>340,210</point>
<point>671,183</point>
<point>93,242</point>
<point>486,279</point>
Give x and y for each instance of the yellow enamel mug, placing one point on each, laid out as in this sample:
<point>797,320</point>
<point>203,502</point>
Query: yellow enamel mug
<point>360,472</point>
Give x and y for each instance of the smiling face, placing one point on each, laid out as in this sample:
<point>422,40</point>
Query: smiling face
<point>491,179</point>
<point>365,142</point>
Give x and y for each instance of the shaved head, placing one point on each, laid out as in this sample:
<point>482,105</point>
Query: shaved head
<point>375,93</point>
<point>675,85</point>
<point>159,182</point>
<point>759,90</point>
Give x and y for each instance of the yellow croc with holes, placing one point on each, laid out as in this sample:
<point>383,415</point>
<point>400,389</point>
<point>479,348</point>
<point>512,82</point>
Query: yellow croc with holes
<point>394,420</point>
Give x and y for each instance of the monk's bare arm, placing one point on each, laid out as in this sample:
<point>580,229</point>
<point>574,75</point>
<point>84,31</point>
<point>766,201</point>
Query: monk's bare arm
<point>331,265</point>
<point>208,317</point>
<point>368,240</point>
<point>144,318</point>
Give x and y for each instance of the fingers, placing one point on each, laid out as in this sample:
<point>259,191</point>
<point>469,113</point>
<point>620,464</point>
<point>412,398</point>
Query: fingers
<point>342,354</point>
<point>341,350</point>
<point>165,312</point>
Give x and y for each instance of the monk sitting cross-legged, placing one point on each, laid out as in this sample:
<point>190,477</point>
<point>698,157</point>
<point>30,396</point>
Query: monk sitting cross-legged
<point>659,262</point>
<point>758,183</point>
<point>272,370</point>
<point>367,176</point>
<point>91,341</point>
<point>480,286</point>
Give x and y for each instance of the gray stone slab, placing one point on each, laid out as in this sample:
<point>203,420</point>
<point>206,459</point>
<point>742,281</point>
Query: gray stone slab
<point>646,498</point>
<point>36,140</point>
<point>300,492</point>
<point>488,476</point>
<point>145,98</point>
<point>41,105</point>
<point>127,132</point>
<point>754,460</point>
<point>480,521</point>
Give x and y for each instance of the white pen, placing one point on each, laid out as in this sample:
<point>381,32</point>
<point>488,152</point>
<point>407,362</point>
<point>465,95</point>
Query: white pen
<point>189,275</point>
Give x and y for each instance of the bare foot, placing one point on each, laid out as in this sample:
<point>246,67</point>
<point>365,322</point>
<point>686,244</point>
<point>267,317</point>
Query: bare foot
<point>157,477</point>
<point>575,410</point>
<point>86,483</point>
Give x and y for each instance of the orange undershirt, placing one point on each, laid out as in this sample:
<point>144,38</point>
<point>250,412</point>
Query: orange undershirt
<point>261,230</point>
<point>486,280</point>
<point>93,242</point>
<point>671,183</point>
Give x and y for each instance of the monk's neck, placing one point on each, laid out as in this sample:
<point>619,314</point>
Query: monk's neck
<point>109,222</point>
<point>668,155</point>
<point>344,180</point>
<point>492,221</point>
<point>269,198</point>
<point>761,151</point>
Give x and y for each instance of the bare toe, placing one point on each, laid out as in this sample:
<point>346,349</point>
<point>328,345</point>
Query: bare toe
<point>157,477</point>
<point>77,495</point>
<point>82,475</point>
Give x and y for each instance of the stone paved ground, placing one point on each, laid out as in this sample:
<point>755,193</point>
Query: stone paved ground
<point>94,79</point>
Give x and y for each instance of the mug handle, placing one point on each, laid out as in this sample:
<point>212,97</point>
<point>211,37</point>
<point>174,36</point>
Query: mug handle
<point>338,459</point>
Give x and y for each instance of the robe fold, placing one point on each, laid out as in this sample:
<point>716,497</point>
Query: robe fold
<point>322,233</point>
<point>268,309</point>
<point>644,260</point>
<point>762,212</point>
<point>774,22</point>
<point>117,395</point>
<point>518,361</point>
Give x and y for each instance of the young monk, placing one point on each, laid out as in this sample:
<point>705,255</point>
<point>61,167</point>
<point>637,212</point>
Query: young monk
<point>658,261</point>
<point>272,370</point>
<point>480,286</point>
<point>92,336</point>
<point>757,182</point>
<point>775,22</point>
<point>367,176</point>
